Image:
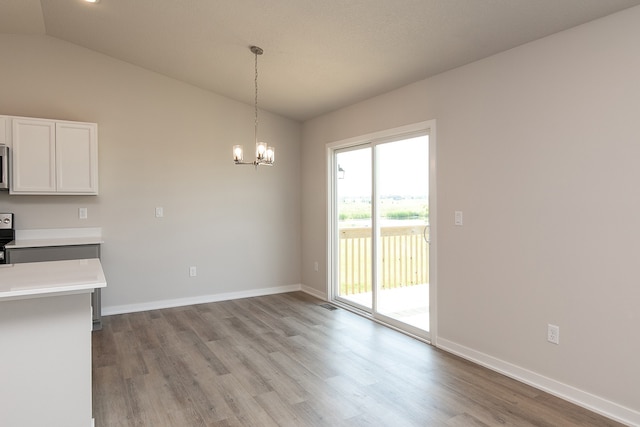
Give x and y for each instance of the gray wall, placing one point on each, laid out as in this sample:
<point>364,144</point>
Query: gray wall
<point>539,147</point>
<point>161,143</point>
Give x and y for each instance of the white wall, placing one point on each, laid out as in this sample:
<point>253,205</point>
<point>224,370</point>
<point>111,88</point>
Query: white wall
<point>161,143</point>
<point>539,147</point>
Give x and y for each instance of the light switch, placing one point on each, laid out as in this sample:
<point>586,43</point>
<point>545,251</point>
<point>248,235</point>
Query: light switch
<point>458,218</point>
<point>159,212</point>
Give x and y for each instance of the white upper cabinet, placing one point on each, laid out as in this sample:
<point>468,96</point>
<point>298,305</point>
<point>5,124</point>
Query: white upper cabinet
<point>54,157</point>
<point>4,120</point>
<point>76,158</point>
<point>33,156</point>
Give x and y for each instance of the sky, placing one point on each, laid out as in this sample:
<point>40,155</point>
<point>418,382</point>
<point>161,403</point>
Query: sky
<point>403,169</point>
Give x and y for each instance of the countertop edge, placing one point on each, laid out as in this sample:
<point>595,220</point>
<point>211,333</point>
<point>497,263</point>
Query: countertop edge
<point>44,243</point>
<point>49,292</point>
<point>50,278</point>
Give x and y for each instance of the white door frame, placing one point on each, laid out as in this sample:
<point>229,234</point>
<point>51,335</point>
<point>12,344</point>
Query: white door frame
<point>371,139</point>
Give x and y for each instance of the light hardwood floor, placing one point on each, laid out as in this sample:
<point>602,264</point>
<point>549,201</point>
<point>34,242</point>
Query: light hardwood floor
<point>285,360</point>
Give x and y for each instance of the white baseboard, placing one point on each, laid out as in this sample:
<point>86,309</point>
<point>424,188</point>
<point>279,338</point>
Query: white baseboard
<point>314,292</point>
<point>203,299</point>
<point>579,397</point>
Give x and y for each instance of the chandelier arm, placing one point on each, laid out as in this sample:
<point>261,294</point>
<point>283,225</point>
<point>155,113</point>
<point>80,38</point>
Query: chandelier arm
<point>254,163</point>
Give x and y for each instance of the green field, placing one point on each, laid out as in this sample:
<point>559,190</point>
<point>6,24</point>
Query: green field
<point>390,208</point>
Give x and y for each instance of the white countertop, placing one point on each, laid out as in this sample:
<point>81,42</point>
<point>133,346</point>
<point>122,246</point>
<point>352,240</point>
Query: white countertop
<point>40,279</point>
<point>56,237</point>
<point>41,243</point>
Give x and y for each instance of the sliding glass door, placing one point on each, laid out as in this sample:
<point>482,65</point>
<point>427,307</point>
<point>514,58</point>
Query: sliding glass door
<point>355,226</point>
<point>403,228</point>
<point>381,229</point>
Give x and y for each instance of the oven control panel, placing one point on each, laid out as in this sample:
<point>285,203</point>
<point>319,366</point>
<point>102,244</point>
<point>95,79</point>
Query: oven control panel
<point>6,221</point>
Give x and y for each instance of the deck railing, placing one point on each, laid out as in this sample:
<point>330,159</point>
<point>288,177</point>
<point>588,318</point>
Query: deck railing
<point>404,252</point>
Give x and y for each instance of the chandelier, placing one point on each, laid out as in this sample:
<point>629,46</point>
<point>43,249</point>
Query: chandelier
<point>265,155</point>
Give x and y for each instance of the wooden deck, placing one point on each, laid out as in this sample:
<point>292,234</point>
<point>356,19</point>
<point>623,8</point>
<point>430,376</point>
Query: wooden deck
<point>404,256</point>
<point>409,304</point>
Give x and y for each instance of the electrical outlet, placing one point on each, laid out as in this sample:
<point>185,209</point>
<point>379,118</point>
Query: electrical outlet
<point>159,212</point>
<point>553,334</point>
<point>316,266</point>
<point>82,213</point>
<point>193,272</point>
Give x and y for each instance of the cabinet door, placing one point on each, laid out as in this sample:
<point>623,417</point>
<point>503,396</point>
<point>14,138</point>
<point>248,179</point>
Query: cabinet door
<point>33,160</point>
<point>3,130</point>
<point>76,158</point>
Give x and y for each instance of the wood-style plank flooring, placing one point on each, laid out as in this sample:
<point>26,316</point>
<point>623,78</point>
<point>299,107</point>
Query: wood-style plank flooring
<point>283,360</point>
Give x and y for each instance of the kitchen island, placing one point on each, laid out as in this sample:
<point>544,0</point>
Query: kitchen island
<point>45,342</point>
<point>59,244</point>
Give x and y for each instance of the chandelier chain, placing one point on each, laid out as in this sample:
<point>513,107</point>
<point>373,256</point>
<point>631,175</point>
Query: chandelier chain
<point>256,97</point>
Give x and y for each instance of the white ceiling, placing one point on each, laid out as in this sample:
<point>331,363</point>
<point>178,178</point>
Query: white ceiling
<point>320,55</point>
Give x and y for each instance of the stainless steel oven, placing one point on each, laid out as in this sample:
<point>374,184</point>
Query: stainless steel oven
<point>4,167</point>
<point>7,234</point>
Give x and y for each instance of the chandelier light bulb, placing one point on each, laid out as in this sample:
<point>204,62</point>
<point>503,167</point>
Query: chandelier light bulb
<point>271,154</point>
<point>261,149</point>
<point>237,153</point>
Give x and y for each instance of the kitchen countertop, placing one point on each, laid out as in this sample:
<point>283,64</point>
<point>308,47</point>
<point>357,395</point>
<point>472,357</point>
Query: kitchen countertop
<point>41,243</point>
<point>56,237</point>
<point>41,279</point>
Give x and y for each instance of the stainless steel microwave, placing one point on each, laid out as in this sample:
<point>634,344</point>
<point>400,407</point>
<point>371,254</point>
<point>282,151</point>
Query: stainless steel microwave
<point>4,167</point>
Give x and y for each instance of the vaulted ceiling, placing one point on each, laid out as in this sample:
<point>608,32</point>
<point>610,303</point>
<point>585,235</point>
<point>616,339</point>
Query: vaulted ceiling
<point>319,55</point>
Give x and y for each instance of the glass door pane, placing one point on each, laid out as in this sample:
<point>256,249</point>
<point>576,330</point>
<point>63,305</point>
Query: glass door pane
<point>353,185</point>
<point>402,191</point>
